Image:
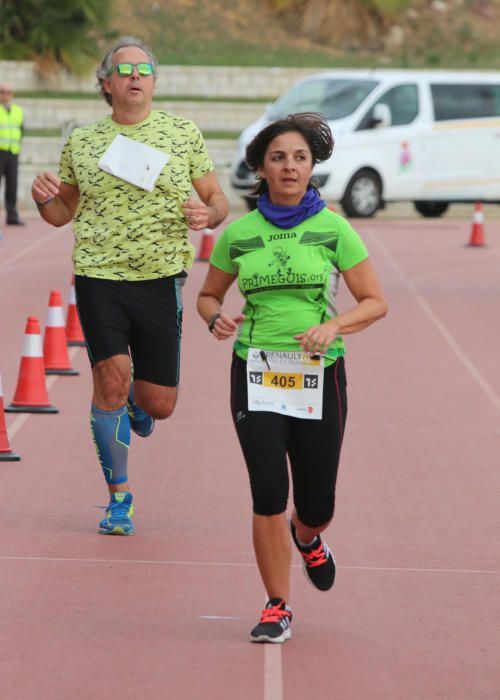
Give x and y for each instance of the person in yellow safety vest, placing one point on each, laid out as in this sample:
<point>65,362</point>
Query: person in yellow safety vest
<point>11,133</point>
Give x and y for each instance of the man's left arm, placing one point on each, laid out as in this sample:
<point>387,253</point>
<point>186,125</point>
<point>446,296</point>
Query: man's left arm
<point>213,207</point>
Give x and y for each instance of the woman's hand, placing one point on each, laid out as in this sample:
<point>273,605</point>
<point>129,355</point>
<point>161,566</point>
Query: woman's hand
<point>225,326</point>
<point>196,214</point>
<point>318,339</point>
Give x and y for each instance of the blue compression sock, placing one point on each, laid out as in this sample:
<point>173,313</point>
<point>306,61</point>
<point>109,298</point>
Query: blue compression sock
<point>111,433</point>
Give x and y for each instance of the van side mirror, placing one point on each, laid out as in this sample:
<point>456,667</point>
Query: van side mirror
<point>381,116</point>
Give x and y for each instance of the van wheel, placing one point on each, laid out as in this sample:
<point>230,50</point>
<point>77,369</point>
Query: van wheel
<point>431,209</point>
<point>363,195</point>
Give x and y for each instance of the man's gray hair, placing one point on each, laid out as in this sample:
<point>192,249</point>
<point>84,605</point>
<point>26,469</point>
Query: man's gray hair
<point>107,62</point>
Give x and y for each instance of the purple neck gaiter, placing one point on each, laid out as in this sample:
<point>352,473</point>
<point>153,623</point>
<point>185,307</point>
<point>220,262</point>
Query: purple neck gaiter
<point>289,216</point>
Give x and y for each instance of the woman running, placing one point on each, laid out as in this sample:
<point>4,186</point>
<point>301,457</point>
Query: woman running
<point>288,385</point>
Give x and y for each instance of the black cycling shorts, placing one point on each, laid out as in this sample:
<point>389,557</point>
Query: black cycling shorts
<point>312,447</point>
<point>143,319</point>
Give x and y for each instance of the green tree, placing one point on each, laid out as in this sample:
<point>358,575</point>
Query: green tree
<point>53,32</point>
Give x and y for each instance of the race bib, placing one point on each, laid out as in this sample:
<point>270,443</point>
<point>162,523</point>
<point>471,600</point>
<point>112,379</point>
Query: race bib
<point>290,383</point>
<point>133,162</point>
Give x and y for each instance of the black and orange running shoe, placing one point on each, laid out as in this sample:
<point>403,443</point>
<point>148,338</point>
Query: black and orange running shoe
<point>274,623</point>
<point>317,560</point>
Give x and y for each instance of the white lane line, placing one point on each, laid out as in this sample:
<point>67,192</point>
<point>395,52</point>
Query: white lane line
<point>173,562</point>
<point>157,562</point>
<point>220,617</point>
<point>458,271</point>
<point>17,424</point>
<point>44,239</point>
<point>426,427</point>
<point>409,569</point>
<point>273,673</point>
<point>452,343</point>
<point>21,418</point>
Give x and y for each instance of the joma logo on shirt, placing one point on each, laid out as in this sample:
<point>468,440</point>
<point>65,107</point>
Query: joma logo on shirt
<point>281,236</point>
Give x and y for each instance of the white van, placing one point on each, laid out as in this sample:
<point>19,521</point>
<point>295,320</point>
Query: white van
<point>429,137</point>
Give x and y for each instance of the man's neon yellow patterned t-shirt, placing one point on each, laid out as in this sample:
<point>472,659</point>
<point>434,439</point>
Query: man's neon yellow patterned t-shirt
<point>121,231</point>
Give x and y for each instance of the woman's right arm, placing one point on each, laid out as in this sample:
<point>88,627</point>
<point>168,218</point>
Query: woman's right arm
<point>210,300</point>
<point>57,202</point>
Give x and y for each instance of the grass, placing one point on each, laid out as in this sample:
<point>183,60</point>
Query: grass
<point>53,133</point>
<point>229,54</point>
<point>221,134</point>
<point>239,33</point>
<point>42,132</point>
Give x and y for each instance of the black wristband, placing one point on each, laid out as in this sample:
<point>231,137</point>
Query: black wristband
<point>211,322</point>
<point>44,204</point>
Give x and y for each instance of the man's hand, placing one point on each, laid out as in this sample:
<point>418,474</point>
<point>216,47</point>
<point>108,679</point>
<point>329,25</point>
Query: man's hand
<point>196,214</point>
<point>45,186</point>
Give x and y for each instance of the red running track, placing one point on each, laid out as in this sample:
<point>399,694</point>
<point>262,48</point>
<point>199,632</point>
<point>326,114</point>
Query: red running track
<point>166,613</point>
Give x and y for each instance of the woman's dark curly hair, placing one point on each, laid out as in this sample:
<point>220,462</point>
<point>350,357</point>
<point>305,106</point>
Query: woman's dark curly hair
<point>313,128</point>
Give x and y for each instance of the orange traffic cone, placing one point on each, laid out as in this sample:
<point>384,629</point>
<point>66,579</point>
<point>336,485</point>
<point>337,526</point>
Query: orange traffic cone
<point>207,245</point>
<point>31,393</point>
<point>55,351</point>
<point>477,232</point>
<point>74,333</point>
<point>6,454</point>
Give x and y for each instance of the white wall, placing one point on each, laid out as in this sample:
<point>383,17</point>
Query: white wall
<point>199,81</point>
<point>48,113</point>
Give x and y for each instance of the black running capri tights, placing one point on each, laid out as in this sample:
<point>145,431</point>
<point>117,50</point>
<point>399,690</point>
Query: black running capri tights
<point>312,447</point>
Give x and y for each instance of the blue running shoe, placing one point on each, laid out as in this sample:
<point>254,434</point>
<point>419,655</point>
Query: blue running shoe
<point>119,512</point>
<point>141,422</point>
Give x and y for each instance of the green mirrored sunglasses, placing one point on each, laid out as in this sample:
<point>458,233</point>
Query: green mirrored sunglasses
<point>126,69</point>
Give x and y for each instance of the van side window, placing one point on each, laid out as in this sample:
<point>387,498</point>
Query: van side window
<point>333,98</point>
<point>465,101</point>
<point>342,100</point>
<point>402,102</point>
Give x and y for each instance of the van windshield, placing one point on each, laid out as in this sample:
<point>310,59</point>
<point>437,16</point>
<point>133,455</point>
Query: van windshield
<point>333,98</point>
